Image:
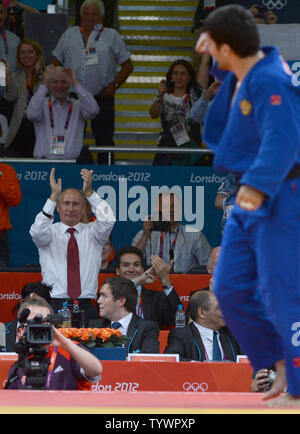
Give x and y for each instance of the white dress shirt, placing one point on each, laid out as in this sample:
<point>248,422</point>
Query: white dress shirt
<point>51,239</point>
<point>207,336</point>
<point>124,323</point>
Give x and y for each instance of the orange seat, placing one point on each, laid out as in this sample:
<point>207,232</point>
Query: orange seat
<point>163,340</point>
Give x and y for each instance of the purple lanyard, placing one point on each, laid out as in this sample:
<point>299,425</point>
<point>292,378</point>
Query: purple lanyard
<point>96,38</point>
<point>50,104</point>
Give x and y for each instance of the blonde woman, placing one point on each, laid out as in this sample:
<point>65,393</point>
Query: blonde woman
<point>19,90</point>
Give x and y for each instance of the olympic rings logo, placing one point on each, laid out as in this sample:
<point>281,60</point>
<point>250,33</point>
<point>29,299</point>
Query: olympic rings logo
<point>195,387</point>
<point>275,4</point>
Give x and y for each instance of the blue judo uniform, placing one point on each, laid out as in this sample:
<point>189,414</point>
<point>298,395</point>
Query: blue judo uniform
<point>257,278</point>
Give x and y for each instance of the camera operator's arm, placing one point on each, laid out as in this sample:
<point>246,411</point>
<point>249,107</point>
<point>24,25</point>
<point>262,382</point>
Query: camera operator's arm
<point>89,363</point>
<point>147,227</point>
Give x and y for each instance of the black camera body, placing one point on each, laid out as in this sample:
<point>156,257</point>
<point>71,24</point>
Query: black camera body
<point>161,225</point>
<point>38,332</point>
<point>170,85</point>
<point>32,348</point>
<point>262,11</point>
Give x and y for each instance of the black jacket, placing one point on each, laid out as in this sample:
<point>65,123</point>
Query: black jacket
<point>143,334</point>
<point>188,344</point>
<point>160,308</point>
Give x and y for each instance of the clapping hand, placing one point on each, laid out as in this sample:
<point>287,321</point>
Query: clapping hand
<point>56,187</point>
<point>87,176</point>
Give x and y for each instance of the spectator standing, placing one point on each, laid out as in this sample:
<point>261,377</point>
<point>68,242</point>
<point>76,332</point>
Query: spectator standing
<point>94,53</point>
<point>59,120</point>
<point>8,49</point>
<point>10,195</point>
<point>19,90</point>
<point>176,95</point>
<point>69,250</point>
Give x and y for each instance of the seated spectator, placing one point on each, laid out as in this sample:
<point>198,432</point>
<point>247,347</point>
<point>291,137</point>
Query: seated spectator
<point>189,250</point>
<point>107,255</point>
<point>33,290</point>
<point>176,95</point>
<point>151,305</point>
<point>76,363</point>
<point>117,303</point>
<point>59,120</point>
<point>19,90</point>
<point>205,338</point>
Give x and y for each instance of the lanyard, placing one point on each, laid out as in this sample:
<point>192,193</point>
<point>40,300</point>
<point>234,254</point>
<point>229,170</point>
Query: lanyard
<point>4,37</point>
<point>50,105</point>
<point>51,366</point>
<point>184,105</point>
<point>96,38</point>
<point>172,246</point>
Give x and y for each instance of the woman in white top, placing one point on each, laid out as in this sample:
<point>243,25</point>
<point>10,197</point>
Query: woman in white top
<point>176,95</point>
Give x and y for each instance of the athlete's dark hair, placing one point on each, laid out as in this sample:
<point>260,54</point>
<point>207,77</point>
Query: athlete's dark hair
<point>235,26</point>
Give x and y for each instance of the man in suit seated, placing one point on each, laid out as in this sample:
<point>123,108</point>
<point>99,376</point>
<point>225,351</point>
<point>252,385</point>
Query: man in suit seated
<point>117,304</point>
<point>206,337</point>
<point>158,306</point>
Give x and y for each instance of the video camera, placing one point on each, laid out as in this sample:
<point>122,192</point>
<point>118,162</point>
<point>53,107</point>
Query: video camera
<point>32,347</point>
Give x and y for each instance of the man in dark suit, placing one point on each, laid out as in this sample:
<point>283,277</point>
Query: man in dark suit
<point>206,337</point>
<point>158,306</point>
<point>117,303</point>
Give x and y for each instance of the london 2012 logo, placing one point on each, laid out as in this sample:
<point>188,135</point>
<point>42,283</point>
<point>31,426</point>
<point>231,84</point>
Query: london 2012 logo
<point>275,4</point>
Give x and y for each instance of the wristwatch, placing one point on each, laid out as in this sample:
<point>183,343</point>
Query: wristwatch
<point>116,84</point>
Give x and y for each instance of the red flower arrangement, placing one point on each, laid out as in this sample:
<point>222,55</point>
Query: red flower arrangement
<point>93,337</point>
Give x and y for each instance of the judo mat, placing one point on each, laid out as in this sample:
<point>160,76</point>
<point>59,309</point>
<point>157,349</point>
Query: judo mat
<point>138,403</point>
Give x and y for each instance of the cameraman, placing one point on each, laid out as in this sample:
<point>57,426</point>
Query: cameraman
<point>176,96</point>
<point>70,364</point>
<point>172,242</point>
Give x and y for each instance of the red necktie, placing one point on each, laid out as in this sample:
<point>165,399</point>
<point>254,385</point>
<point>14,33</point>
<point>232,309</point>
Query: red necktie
<point>73,270</point>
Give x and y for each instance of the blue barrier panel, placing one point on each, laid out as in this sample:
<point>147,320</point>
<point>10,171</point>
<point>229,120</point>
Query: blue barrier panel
<point>131,191</point>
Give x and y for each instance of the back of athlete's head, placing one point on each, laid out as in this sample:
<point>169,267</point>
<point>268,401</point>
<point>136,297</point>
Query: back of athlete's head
<point>235,26</point>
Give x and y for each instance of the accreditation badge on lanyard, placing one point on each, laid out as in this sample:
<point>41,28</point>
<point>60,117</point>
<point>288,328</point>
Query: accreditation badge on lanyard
<point>57,143</point>
<point>178,131</point>
<point>91,56</point>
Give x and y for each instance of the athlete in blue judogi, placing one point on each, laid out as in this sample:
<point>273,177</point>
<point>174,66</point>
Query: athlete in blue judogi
<point>253,125</point>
